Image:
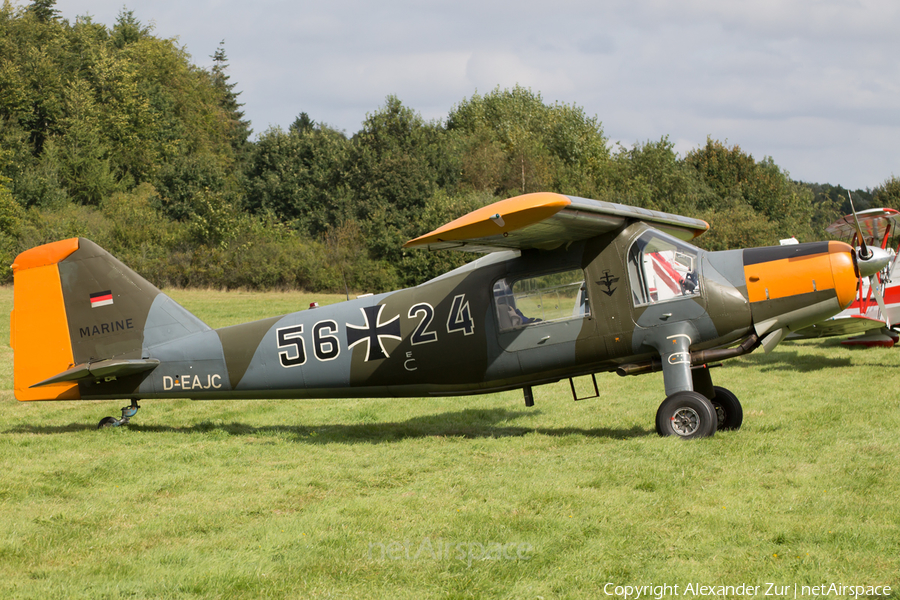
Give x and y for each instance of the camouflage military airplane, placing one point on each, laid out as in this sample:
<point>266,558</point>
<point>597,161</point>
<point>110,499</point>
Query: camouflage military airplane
<point>569,287</point>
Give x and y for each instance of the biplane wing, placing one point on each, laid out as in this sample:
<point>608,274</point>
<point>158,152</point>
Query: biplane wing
<point>546,221</point>
<point>874,223</point>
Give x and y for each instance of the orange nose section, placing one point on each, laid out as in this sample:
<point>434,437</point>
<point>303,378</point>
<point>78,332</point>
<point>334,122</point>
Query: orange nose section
<point>784,271</point>
<point>843,270</point>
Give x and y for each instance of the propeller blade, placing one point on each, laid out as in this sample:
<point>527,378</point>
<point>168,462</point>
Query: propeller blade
<point>863,252</point>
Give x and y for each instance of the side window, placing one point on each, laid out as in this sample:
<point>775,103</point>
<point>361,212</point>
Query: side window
<point>662,268</point>
<point>552,297</point>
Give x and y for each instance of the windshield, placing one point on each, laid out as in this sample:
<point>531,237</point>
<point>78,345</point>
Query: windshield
<point>662,268</point>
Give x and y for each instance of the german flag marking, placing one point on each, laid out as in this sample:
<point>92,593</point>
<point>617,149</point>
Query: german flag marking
<point>101,299</point>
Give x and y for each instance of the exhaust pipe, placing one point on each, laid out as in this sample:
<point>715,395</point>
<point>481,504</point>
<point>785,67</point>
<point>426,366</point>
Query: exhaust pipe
<point>699,357</point>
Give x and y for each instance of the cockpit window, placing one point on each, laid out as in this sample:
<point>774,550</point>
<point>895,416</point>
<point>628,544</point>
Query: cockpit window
<point>662,268</point>
<point>552,297</point>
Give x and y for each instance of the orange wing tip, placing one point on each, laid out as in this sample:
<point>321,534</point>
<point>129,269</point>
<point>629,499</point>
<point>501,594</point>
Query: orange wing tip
<point>48,254</point>
<point>497,218</point>
<point>699,232</point>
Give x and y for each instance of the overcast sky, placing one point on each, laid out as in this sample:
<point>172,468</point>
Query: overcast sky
<point>815,84</point>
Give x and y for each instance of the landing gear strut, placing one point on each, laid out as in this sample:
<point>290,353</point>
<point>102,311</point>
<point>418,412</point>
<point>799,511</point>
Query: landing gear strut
<point>127,413</point>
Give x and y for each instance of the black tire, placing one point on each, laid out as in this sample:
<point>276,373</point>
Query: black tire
<point>894,335</point>
<point>729,413</point>
<point>686,415</point>
<point>107,422</point>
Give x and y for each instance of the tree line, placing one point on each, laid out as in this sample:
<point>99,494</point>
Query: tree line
<point>112,133</point>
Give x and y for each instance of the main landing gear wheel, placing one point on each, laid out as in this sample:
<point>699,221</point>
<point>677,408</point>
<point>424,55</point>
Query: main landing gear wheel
<point>687,415</point>
<point>729,413</point>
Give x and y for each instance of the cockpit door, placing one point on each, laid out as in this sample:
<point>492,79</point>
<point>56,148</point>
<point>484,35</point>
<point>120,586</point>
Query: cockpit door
<point>665,280</point>
<point>541,317</point>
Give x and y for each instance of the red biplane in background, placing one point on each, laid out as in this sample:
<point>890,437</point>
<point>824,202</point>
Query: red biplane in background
<point>876,311</point>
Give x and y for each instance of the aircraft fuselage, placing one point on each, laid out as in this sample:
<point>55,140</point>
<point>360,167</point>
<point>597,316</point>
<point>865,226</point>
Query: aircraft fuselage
<point>507,320</point>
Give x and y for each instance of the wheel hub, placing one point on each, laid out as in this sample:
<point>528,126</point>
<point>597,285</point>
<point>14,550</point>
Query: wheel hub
<point>685,421</point>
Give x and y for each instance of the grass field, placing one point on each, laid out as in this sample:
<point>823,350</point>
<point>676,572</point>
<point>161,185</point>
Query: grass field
<point>474,497</point>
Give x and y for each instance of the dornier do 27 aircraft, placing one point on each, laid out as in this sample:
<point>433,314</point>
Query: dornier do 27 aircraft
<point>569,287</point>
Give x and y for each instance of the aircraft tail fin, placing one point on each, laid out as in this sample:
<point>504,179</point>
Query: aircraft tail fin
<point>81,314</point>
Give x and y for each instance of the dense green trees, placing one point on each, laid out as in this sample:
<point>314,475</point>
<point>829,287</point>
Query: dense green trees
<point>887,194</point>
<point>511,143</point>
<point>114,134</point>
<point>300,175</point>
<point>751,200</point>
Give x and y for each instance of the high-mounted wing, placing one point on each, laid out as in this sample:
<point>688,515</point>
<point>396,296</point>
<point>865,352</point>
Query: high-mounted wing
<point>546,221</point>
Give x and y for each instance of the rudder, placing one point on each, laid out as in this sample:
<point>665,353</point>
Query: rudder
<point>39,332</point>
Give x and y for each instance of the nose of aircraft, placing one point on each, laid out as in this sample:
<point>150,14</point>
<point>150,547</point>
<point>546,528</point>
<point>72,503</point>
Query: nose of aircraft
<point>787,274</point>
<point>792,287</point>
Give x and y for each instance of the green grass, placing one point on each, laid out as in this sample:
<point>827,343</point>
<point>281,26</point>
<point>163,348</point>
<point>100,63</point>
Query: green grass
<point>325,498</point>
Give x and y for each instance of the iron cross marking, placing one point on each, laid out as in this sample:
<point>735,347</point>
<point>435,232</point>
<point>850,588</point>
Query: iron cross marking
<point>373,331</point>
<point>608,280</point>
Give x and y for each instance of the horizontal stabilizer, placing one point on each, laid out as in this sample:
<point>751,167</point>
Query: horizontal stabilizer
<point>102,369</point>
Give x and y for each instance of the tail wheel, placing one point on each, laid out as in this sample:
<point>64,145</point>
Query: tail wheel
<point>729,413</point>
<point>687,415</point>
<point>127,413</point>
